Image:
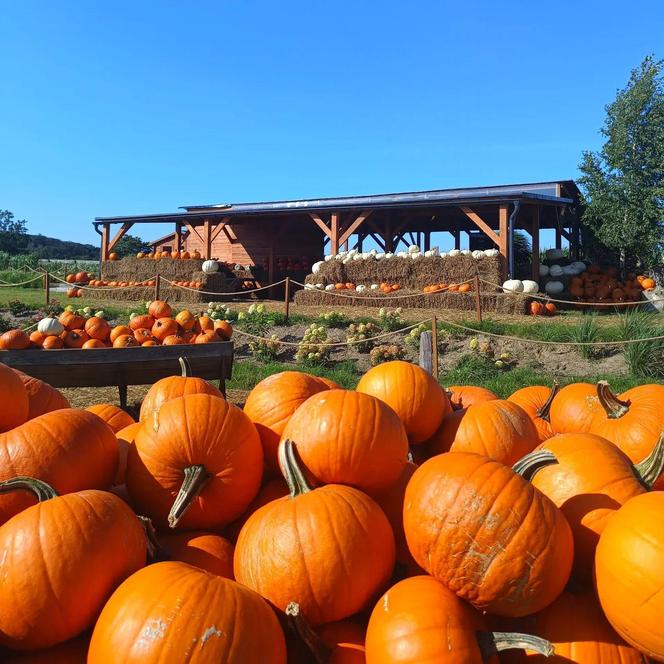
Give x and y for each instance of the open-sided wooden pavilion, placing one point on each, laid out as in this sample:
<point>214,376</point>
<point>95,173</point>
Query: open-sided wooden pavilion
<point>259,233</point>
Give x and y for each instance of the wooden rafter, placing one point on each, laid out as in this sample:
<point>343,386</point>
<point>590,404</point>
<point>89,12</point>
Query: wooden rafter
<point>482,225</point>
<point>321,224</point>
<point>378,240</point>
<point>119,235</point>
<point>354,225</point>
<point>334,233</point>
<point>194,231</point>
<point>535,246</point>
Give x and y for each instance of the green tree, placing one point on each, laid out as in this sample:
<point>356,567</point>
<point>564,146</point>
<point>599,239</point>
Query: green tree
<point>13,233</point>
<point>129,245</point>
<point>623,183</point>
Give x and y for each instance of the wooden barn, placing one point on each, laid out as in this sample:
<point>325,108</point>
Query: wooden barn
<point>275,237</point>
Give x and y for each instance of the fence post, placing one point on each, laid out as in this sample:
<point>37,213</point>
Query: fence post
<point>434,347</point>
<point>478,298</point>
<point>426,355</point>
<point>47,286</point>
<point>287,298</point>
<point>157,287</point>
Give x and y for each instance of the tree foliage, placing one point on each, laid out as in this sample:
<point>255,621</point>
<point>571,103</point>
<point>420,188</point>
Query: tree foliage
<point>623,183</point>
<point>13,233</point>
<point>129,245</point>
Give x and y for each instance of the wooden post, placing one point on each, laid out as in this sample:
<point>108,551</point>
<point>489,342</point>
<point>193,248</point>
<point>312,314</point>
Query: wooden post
<point>208,239</point>
<point>434,346</point>
<point>426,355</point>
<point>478,298</point>
<point>457,239</point>
<point>503,240</point>
<point>427,240</point>
<point>334,234</point>
<point>287,298</point>
<point>47,286</point>
<point>270,267</point>
<point>178,237</point>
<point>535,234</point>
<point>157,287</point>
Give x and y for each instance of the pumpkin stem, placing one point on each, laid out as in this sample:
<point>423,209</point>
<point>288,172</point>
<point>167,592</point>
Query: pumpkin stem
<point>491,643</point>
<point>529,465</point>
<point>41,490</point>
<point>195,478</point>
<point>185,367</point>
<point>649,470</point>
<point>614,407</point>
<point>290,469</point>
<point>544,412</point>
<point>298,623</point>
<point>156,552</point>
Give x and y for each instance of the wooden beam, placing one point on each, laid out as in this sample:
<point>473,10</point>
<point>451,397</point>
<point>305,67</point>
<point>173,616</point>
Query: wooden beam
<point>219,227</point>
<point>378,240</point>
<point>503,244</point>
<point>105,231</point>
<point>481,224</point>
<point>321,224</point>
<point>427,240</point>
<point>119,235</point>
<point>334,233</point>
<point>207,231</point>
<point>193,231</point>
<point>354,226</point>
<point>177,237</point>
<point>456,234</point>
<point>534,234</point>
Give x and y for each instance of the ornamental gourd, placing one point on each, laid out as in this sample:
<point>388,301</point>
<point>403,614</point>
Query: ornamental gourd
<point>412,393</point>
<point>205,618</point>
<point>346,437</point>
<point>419,620</point>
<point>197,463</point>
<point>331,548</point>
<point>629,573</point>
<point>50,326</point>
<point>498,429</point>
<point>513,286</point>
<point>588,478</point>
<point>43,601</point>
<point>15,400</point>
<point>487,534</point>
<point>209,267</point>
<point>272,402</point>
<point>69,449</point>
<point>536,401</point>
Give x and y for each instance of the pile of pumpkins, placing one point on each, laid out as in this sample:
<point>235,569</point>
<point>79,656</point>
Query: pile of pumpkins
<point>450,288</point>
<point>159,326</point>
<point>175,255</point>
<point>597,285</point>
<point>397,523</point>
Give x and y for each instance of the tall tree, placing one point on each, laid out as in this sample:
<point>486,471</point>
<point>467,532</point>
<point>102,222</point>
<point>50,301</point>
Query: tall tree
<point>129,245</point>
<point>623,183</point>
<point>13,233</point>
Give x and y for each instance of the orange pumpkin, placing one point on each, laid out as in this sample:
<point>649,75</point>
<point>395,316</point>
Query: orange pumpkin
<point>93,343</point>
<point>74,651</point>
<point>272,402</point>
<point>202,475</point>
<point>206,324</point>
<point>36,339</point>
<point>173,340</point>
<point>15,399</point>
<point>186,320</point>
<point>648,283</point>
<point>442,439</point>
<point>209,619</point>
<point>160,309</point>
<point>97,328</point>
<point>115,417</point>
<point>164,327</point>
<point>201,549</point>
<point>536,401</point>
<point>142,334</point>
<point>125,439</point>
<point>112,256</point>
<point>125,341</point>
<point>346,437</point>
<point>72,321</point>
<point>53,343</point>
<point>412,393</point>
<point>462,396</point>
<point>208,337</point>
<point>537,308</point>
<point>519,557</point>
<point>150,342</point>
<point>142,321</point>
<point>75,338</point>
<point>14,340</point>
<point>119,331</point>
<point>313,559</point>
<point>224,329</point>
<point>574,408</point>
<point>41,396</point>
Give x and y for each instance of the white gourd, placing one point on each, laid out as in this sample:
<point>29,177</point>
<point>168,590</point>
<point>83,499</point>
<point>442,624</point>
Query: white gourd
<point>413,249</point>
<point>329,287</point>
<point>554,287</point>
<point>491,253</point>
<point>210,266</point>
<point>556,271</point>
<point>315,268</point>
<point>329,258</point>
<point>530,286</point>
<point>478,253</point>
<point>374,286</point>
<point>544,270</point>
<point>50,327</point>
<point>513,286</point>
<point>454,252</point>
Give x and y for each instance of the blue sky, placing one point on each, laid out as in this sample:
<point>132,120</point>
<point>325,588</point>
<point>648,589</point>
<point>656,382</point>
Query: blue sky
<point>139,107</point>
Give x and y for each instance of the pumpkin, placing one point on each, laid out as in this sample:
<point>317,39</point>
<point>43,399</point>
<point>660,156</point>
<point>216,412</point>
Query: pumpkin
<point>173,340</point>
<point>75,338</point>
<point>15,399</point>
<point>112,256</point>
<point>550,309</point>
<point>142,321</point>
<point>648,283</point>
<point>185,319</point>
<point>125,439</point>
<point>74,651</point>
<point>271,490</point>
<point>14,340</point>
<point>442,440</point>
<point>328,382</point>
<point>347,437</point>
<point>210,266</point>
<point>536,308</point>
<point>412,393</point>
<point>629,573</point>
<point>208,337</point>
<point>224,329</point>
<point>185,254</point>
<point>573,408</point>
<point>143,334</point>
<point>197,462</point>
<point>42,397</point>
<point>634,420</point>
<point>125,341</point>
<point>272,402</point>
<point>119,331</point>
<point>462,396</point>
<point>201,549</point>
<point>97,328</point>
<point>50,327</point>
<point>53,343</point>
<point>164,327</point>
<point>578,631</point>
<point>588,478</point>
<point>195,254</point>
<point>332,548</point>
<point>150,342</point>
<point>513,286</point>
<point>173,387</point>
<point>115,417</point>
<point>71,320</point>
<point>206,324</point>
<point>536,401</point>
<point>36,339</point>
<point>498,429</point>
<point>70,449</point>
<point>160,309</point>
<point>419,620</point>
<point>487,534</point>
<point>205,618</point>
<point>102,542</point>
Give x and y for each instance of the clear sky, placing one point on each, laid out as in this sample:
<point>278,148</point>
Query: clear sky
<point>137,107</point>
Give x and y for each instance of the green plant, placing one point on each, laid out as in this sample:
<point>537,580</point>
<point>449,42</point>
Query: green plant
<point>644,358</point>
<point>314,347</point>
<point>390,320</point>
<point>412,339</point>
<point>220,311</point>
<point>586,331</point>
<point>361,336</point>
<point>265,350</point>
<point>5,325</point>
<point>333,319</point>
<point>18,307</point>
<point>386,353</point>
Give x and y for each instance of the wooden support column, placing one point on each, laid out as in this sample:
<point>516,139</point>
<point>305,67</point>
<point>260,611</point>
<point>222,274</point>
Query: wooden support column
<point>177,237</point>
<point>535,234</point>
<point>389,237</point>
<point>270,266</point>
<point>559,238</point>
<point>457,238</point>
<point>207,242</point>
<point>503,240</point>
<point>360,241</point>
<point>334,234</point>
<point>105,234</point>
<point>427,240</point>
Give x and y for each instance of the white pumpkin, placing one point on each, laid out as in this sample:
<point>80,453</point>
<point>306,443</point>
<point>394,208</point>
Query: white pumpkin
<point>50,327</point>
<point>361,288</point>
<point>357,257</point>
<point>491,253</point>
<point>579,266</point>
<point>309,287</point>
<point>210,266</point>
<point>530,286</point>
<point>477,254</point>
<point>544,270</point>
<point>570,271</point>
<point>374,286</point>
<point>554,287</point>
<point>556,271</point>
<point>465,252</point>
<point>513,286</point>
<point>443,254</point>
<point>329,258</point>
<point>315,268</point>
<point>402,254</point>
<point>380,256</point>
<point>554,254</point>
<point>319,286</point>
<point>454,252</point>
<point>435,251</point>
<point>389,254</point>
<point>417,255</point>
<point>329,287</point>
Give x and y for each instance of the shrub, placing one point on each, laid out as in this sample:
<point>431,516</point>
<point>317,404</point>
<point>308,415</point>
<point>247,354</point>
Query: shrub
<point>391,320</point>
<point>361,334</point>
<point>586,331</point>
<point>314,348</point>
<point>386,353</point>
<point>333,319</point>
<point>265,350</point>
<point>18,307</point>
<point>644,358</point>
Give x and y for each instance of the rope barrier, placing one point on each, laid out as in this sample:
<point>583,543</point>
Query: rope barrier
<point>94,288</point>
<point>242,292</point>
<point>21,283</point>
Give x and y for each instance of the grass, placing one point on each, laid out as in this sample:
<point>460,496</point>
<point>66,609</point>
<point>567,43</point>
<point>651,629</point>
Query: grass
<point>645,359</point>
